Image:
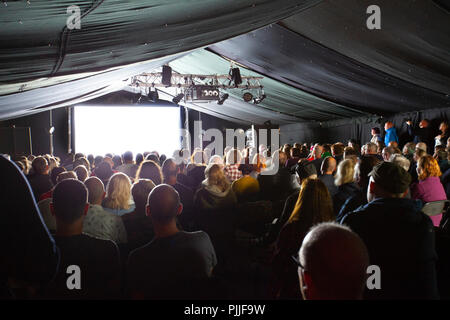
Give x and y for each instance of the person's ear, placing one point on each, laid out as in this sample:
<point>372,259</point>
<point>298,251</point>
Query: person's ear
<point>104,195</point>
<point>308,287</point>
<point>52,209</point>
<point>86,208</point>
<point>372,186</point>
<point>180,209</point>
<point>147,211</point>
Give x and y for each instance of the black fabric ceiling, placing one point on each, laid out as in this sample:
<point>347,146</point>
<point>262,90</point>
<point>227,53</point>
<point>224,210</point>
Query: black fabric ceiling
<point>291,58</point>
<point>36,42</point>
<point>413,43</point>
<point>322,53</point>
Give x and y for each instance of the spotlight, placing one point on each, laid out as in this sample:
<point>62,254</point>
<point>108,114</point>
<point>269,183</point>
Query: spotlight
<point>153,96</point>
<point>247,97</point>
<point>235,74</point>
<point>166,76</point>
<point>259,100</point>
<point>222,98</point>
<point>178,98</point>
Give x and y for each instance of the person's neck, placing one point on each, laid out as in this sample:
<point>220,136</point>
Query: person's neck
<point>68,230</point>
<point>328,172</point>
<point>172,180</point>
<point>96,202</point>
<point>167,230</point>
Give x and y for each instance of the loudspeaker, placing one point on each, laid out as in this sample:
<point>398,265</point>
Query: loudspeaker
<point>166,76</point>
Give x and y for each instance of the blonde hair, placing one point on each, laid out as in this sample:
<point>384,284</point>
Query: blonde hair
<point>345,172</point>
<point>216,177</point>
<point>118,192</point>
<point>314,204</point>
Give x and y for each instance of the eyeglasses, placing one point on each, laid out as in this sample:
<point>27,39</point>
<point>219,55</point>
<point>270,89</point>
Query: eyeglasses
<point>297,261</point>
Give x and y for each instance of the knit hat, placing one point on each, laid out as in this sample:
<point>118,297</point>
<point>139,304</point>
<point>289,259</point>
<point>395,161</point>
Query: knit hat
<point>391,177</point>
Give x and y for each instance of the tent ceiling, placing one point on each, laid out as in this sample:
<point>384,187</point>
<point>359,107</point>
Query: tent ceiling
<point>319,63</point>
<point>413,43</point>
<point>36,42</point>
<point>293,59</point>
<point>281,97</point>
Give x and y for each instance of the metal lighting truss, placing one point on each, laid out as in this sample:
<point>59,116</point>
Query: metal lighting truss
<point>188,82</point>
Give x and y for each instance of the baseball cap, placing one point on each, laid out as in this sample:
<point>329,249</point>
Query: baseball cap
<point>391,177</point>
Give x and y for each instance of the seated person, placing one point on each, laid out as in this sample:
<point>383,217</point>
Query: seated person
<point>89,268</point>
<point>332,264</point>
<point>313,206</point>
<point>128,167</point>
<point>277,186</point>
<point>175,261</point>
<point>295,156</point>
<point>362,169</point>
<point>246,188</point>
<point>328,169</point>
<point>231,169</point>
<point>304,170</point>
<point>118,198</point>
<point>44,205</point>
<point>28,255</point>
<point>216,192</point>
<point>345,182</point>
<point>98,222</point>
<point>40,180</point>
<point>429,187</point>
<point>138,226</point>
<point>170,172</point>
<point>398,236</point>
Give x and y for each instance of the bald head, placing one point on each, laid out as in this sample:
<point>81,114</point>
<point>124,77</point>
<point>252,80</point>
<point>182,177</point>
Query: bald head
<point>96,190</point>
<point>335,260</point>
<point>328,165</point>
<point>163,204</point>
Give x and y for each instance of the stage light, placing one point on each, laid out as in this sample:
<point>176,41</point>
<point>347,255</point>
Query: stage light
<point>153,96</point>
<point>52,129</point>
<point>178,98</point>
<point>235,75</point>
<point>247,97</point>
<point>166,76</point>
<point>222,98</point>
<point>259,100</point>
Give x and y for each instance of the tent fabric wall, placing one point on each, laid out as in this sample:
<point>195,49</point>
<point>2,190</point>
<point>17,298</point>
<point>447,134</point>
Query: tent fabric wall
<point>358,128</point>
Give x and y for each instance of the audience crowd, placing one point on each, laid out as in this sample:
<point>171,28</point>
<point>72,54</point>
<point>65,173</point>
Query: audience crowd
<point>207,226</point>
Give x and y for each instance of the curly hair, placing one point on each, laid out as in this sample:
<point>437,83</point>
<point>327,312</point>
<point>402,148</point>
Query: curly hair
<point>428,167</point>
<point>216,176</point>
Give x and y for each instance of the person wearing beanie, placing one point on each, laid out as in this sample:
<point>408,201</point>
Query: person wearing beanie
<point>398,236</point>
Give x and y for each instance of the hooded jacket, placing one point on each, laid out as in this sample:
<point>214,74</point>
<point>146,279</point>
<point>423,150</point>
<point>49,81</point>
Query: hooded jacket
<point>211,197</point>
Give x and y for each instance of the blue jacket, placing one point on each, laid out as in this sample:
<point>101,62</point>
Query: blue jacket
<point>391,135</point>
<point>400,240</point>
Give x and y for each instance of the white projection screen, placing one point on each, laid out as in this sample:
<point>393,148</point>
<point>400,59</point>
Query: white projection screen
<point>116,129</point>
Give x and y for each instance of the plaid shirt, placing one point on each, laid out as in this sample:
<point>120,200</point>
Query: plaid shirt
<point>232,172</point>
